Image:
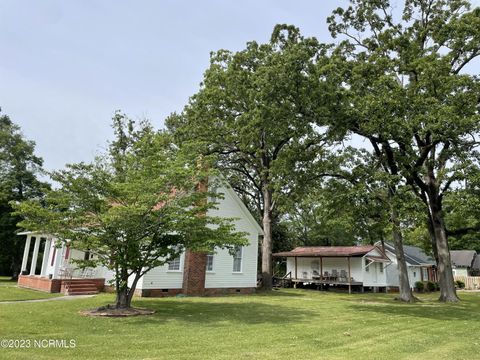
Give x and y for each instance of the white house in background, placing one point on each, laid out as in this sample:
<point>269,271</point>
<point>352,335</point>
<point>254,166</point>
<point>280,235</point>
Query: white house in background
<point>338,266</point>
<point>367,266</point>
<point>219,273</point>
<point>420,266</point>
<point>465,262</point>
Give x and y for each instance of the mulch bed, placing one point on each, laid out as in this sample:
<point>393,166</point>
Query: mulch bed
<point>111,311</point>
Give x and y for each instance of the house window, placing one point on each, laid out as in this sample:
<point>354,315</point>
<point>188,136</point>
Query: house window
<point>381,267</point>
<point>209,262</point>
<point>237,259</point>
<point>367,268</point>
<point>174,265</point>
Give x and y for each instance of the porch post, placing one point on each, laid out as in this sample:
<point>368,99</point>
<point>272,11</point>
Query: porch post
<point>33,265</point>
<point>321,273</point>
<point>296,277</point>
<point>25,253</point>
<point>349,277</point>
<point>295,284</point>
<point>46,256</point>
<point>58,260</point>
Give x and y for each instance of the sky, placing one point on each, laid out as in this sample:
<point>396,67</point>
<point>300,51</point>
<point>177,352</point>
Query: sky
<point>66,66</point>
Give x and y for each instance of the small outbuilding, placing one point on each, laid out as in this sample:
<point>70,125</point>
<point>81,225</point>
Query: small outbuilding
<point>341,266</point>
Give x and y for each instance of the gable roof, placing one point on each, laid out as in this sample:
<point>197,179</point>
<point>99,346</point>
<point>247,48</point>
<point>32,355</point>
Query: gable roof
<point>476,263</point>
<point>327,251</point>
<point>413,254</point>
<point>462,258</point>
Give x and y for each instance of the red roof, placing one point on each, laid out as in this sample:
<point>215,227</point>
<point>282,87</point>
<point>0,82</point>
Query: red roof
<point>332,251</point>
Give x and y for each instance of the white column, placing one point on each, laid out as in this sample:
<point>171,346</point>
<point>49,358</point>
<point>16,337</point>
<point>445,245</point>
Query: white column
<point>58,261</point>
<point>46,256</point>
<point>25,252</point>
<point>35,255</point>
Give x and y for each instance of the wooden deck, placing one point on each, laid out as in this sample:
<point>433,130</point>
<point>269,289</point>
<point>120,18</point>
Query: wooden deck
<point>327,282</point>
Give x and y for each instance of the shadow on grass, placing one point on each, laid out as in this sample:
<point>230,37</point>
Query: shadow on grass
<point>283,292</point>
<point>5,280</point>
<point>466,309</point>
<point>212,313</point>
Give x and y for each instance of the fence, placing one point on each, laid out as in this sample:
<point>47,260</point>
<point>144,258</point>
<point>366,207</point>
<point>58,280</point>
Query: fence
<point>471,282</point>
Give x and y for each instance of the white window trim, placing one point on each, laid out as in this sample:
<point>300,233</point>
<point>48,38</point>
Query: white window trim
<point>213,264</point>
<point>241,262</point>
<point>180,267</point>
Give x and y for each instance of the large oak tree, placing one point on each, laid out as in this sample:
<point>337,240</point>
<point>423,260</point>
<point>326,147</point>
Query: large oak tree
<point>402,85</point>
<point>255,111</point>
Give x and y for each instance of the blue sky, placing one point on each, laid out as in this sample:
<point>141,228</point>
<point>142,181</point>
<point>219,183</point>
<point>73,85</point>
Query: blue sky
<point>66,66</point>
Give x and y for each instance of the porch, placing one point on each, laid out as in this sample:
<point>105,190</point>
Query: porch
<point>337,266</point>
<point>56,272</point>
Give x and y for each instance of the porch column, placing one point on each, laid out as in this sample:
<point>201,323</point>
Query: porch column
<point>25,253</point>
<point>321,273</point>
<point>296,277</point>
<point>295,284</point>
<point>321,268</point>
<point>33,265</point>
<point>46,256</point>
<point>58,260</point>
<point>349,277</point>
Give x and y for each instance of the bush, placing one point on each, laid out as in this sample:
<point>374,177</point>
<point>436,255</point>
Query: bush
<point>419,286</point>
<point>431,286</point>
<point>460,284</point>
<point>437,286</point>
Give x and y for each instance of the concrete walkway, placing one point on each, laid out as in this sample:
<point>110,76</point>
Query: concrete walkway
<point>69,297</point>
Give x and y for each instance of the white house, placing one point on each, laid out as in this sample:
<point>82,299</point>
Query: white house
<point>420,266</point>
<point>348,266</point>
<point>219,273</point>
<point>367,266</point>
<point>464,262</point>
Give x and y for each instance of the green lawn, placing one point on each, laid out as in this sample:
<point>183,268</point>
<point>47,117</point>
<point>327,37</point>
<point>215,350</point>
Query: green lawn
<point>6,280</point>
<point>10,292</point>
<point>287,324</point>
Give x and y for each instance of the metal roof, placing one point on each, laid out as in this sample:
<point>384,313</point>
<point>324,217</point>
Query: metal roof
<point>413,254</point>
<point>327,251</point>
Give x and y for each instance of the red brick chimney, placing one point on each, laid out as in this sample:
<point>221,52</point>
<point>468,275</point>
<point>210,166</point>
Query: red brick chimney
<point>194,273</point>
<point>195,263</point>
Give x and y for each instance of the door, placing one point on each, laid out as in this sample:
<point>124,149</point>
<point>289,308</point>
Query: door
<point>374,272</point>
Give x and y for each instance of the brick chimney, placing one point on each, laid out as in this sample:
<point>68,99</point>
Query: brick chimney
<point>194,273</point>
<point>195,263</point>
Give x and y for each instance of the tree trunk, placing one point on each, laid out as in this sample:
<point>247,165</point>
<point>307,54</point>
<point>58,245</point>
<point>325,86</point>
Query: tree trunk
<point>267,239</point>
<point>433,240</point>
<point>445,274</point>
<point>123,299</point>
<point>131,290</point>
<point>403,281</point>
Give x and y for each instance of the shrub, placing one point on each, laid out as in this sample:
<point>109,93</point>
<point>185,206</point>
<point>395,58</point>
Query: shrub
<point>431,286</point>
<point>437,286</point>
<point>419,286</point>
<point>460,284</point>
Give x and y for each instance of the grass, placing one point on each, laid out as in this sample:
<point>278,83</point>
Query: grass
<point>10,292</point>
<point>286,324</point>
<point>6,280</point>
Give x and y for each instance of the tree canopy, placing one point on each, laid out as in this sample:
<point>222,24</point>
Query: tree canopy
<point>20,170</point>
<point>401,86</point>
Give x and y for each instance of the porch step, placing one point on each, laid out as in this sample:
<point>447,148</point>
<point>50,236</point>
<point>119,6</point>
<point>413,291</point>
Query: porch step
<point>81,287</point>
